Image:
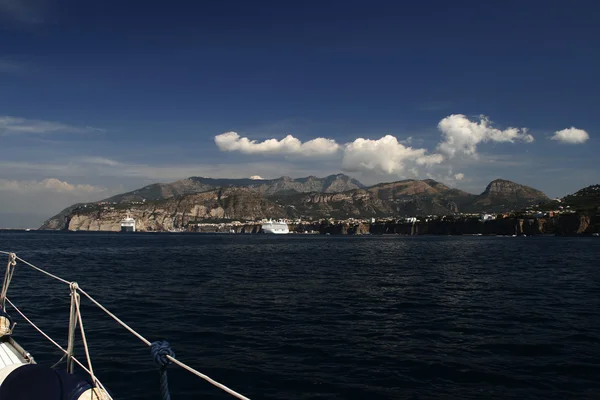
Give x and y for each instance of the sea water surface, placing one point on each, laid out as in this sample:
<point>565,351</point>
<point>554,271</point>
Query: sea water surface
<point>324,317</point>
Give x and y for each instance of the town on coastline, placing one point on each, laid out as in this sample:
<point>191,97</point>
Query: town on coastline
<point>336,204</point>
<point>534,220</point>
<point>562,221</point>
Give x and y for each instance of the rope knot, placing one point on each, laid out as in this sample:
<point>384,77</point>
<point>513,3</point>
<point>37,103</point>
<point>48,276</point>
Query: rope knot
<point>12,259</point>
<point>160,350</point>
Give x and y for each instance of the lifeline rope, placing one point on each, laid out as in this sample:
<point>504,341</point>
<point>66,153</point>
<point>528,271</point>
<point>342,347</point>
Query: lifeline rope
<point>161,351</point>
<point>72,328</point>
<point>97,382</point>
<point>10,270</point>
<point>39,269</point>
<point>85,345</point>
<point>173,359</point>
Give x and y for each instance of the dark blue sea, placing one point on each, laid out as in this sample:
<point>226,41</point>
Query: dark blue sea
<point>325,317</point>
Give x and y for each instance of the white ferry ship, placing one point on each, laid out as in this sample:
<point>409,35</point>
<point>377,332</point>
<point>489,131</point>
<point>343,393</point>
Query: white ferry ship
<point>128,224</point>
<point>276,227</point>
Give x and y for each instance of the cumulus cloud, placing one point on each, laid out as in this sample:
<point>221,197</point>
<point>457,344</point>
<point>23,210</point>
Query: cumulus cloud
<point>385,155</point>
<point>571,136</point>
<point>231,141</point>
<point>461,135</point>
<point>388,155</point>
<point>49,185</point>
<point>15,125</point>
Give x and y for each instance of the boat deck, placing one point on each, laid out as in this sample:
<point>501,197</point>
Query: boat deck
<point>9,355</point>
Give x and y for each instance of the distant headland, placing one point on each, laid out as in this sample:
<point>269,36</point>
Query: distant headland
<point>337,204</point>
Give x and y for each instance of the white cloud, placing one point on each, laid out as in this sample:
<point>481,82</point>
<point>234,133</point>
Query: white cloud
<point>15,125</point>
<point>256,178</point>
<point>231,141</point>
<point>429,160</point>
<point>571,136</point>
<point>385,155</point>
<point>461,135</point>
<point>26,203</point>
<point>47,185</point>
<point>100,161</point>
<point>459,177</point>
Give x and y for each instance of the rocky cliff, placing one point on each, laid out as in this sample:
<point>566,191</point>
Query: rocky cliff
<point>569,224</point>
<point>564,225</point>
<point>175,213</point>
<point>286,197</point>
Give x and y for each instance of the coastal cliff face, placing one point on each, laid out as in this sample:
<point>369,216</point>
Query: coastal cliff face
<point>572,225</point>
<point>153,219</point>
<point>216,205</point>
<point>576,224</point>
<point>568,225</point>
<point>286,197</point>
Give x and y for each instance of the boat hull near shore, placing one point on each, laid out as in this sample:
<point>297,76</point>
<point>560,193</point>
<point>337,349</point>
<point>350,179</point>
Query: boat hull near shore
<point>275,228</point>
<point>128,224</point>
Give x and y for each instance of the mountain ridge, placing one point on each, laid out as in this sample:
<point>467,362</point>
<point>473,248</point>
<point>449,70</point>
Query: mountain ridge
<point>585,199</point>
<point>500,192</point>
<point>337,196</point>
<point>197,184</point>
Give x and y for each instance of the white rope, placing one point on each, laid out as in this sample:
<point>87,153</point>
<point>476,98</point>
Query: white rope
<point>72,327</point>
<point>10,270</point>
<point>208,379</point>
<point>84,339</point>
<point>98,383</point>
<point>38,268</point>
<point>43,271</point>
<point>174,360</point>
<point>120,322</point>
<point>113,316</point>
<point>34,325</point>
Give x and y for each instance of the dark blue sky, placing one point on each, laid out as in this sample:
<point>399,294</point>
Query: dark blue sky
<point>133,92</point>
